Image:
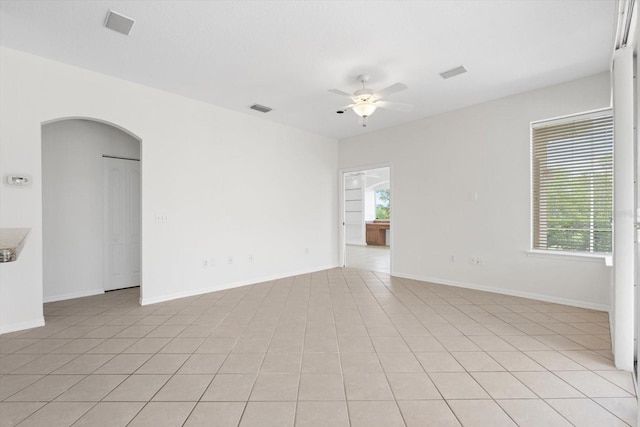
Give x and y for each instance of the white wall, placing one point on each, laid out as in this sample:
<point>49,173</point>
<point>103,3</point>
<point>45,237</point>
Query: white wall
<point>439,162</point>
<point>222,179</point>
<point>369,205</point>
<point>72,217</point>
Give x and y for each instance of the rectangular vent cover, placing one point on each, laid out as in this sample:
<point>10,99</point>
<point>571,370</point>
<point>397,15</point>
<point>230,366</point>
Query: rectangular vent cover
<point>118,22</point>
<point>260,108</point>
<point>454,72</point>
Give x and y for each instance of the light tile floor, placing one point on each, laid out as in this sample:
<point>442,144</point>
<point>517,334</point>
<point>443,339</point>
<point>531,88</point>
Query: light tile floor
<point>371,258</point>
<point>335,348</point>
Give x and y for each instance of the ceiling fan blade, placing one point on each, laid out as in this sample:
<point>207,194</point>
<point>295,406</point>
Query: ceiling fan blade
<point>396,87</point>
<point>340,92</point>
<point>346,107</point>
<point>399,106</point>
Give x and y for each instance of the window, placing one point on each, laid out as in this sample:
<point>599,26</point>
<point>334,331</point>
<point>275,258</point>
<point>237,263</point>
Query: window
<point>572,173</point>
<point>383,208</point>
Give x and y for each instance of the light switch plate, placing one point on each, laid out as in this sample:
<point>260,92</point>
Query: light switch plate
<point>18,180</point>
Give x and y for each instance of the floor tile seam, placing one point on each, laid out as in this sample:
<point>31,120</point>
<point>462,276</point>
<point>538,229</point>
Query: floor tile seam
<point>592,400</point>
<point>584,368</point>
<point>386,376</point>
<point>583,347</point>
<point>594,397</point>
<point>344,382</point>
<point>542,400</point>
<point>37,358</point>
<point>227,314</point>
<point>126,377</point>
<point>138,412</point>
<point>47,375</point>
<point>608,410</point>
<point>193,408</point>
<point>488,353</point>
<point>257,374</point>
<point>394,326</point>
<point>470,373</point>
<point>635,394</point>
<point>450,352</point>
<point>410,290</point>
<point>51,401</point>
<point>451,410</point>
<point>558,378</point>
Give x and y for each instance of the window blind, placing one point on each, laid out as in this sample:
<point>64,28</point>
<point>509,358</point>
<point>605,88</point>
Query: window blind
<point>572,173</point>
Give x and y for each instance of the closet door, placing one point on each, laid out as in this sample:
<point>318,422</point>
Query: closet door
<point>121,199</point>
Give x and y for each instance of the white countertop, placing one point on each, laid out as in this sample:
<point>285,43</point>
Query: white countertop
<point>11,242</point>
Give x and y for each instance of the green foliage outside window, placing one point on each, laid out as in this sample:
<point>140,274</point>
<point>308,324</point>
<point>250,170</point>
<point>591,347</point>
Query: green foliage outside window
<point>576,220</point>
<point>383,208</point>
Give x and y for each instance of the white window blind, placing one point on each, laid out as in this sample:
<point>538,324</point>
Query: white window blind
<point>572,172</point>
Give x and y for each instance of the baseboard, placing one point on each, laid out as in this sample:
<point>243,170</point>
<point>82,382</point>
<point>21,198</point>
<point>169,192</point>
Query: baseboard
<point>13,327</point>
<point>534,296</point>
<point>225,286</point>
<point>72,295</point>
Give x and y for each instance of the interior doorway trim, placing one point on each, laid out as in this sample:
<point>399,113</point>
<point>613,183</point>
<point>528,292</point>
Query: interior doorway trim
<point>342,241</point>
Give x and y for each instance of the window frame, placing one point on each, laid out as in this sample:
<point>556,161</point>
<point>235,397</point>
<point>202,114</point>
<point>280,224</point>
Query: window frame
<point>552,253</point>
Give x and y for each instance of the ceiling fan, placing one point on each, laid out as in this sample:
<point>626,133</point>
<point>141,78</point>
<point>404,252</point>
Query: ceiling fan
<point>366,101</point>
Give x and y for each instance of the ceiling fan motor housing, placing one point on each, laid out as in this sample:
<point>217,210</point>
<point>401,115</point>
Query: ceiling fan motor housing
<point>363,92</point>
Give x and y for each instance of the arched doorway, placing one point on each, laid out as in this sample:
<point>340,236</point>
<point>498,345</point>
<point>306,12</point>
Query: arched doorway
<point>78,205</point>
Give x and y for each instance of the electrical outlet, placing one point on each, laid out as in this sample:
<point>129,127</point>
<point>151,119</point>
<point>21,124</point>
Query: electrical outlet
<point>476,260</point>
<point>452,258</point>
<point>250,259</point>
<point>306,251</point>
<point>162,219</point>
<point>230,260</point>
<point>205,263</point>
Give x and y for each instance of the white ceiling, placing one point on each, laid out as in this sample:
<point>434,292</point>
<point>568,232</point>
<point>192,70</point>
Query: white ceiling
<point>287,54</point>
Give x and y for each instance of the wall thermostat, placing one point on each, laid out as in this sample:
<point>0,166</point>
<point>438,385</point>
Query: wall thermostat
<point>21,180</point>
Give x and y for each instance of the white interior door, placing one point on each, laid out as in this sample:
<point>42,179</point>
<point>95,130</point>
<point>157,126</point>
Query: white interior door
<point>121,196</point>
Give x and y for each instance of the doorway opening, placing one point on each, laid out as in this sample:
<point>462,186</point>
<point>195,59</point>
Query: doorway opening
<point>367,219</point>
<point>91,208</point>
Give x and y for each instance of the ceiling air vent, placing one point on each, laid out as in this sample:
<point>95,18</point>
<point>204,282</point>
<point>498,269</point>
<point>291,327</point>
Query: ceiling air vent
<point>260,108</point>
<point>454,72</point>
<point>118,22</point>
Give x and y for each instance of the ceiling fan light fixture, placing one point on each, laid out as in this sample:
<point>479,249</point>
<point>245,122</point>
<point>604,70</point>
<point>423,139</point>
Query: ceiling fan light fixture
<point>364,108</point>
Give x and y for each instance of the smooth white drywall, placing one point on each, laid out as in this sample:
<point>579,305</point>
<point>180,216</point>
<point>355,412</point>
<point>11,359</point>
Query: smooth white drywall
<point>229,184</point>
<point>72,212</point>
<point>369,205</point>
<point>439,163</point>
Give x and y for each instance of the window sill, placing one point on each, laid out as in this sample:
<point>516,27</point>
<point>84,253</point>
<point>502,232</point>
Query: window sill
<point>572,256</point>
